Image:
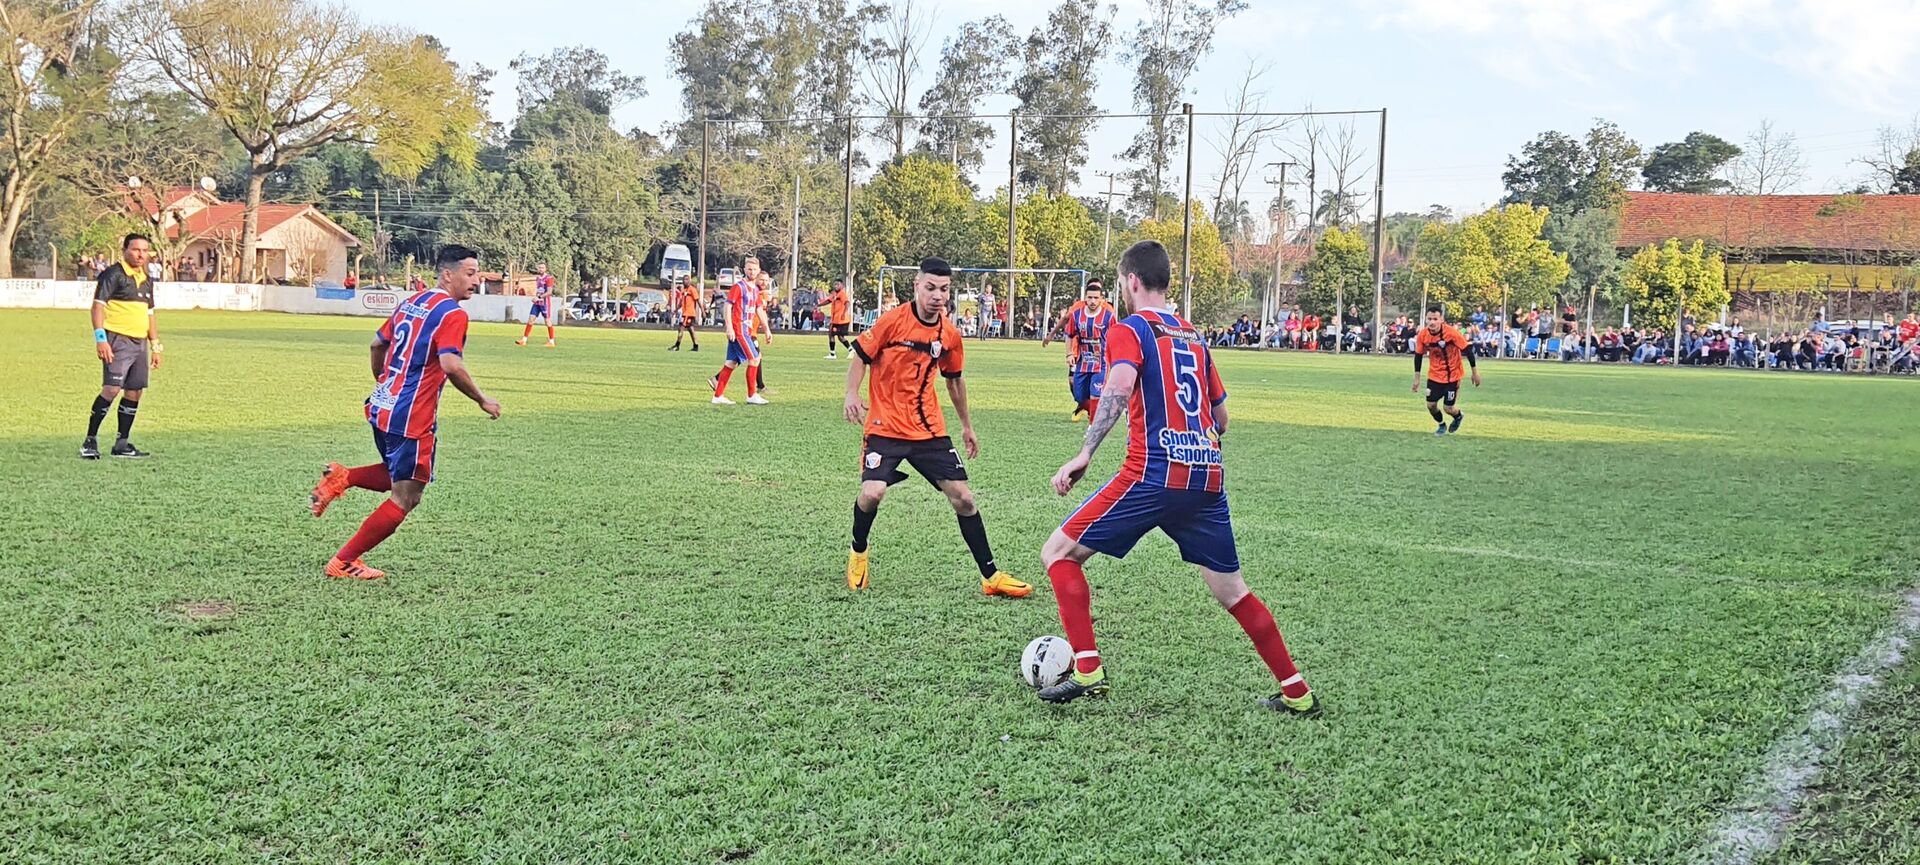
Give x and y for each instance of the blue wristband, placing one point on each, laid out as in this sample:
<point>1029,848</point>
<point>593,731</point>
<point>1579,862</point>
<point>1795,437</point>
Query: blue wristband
<point>99,334</point>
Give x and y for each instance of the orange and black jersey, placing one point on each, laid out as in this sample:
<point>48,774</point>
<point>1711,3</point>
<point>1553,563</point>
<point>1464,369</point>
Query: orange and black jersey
<point>1449,353</point>
<point>903,353</point>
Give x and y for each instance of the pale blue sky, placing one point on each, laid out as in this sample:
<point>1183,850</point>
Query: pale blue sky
<point>1466,82</point>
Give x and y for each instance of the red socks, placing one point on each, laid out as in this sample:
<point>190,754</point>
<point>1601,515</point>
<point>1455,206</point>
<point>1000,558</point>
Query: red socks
<point>753,381</point>
<point>1258,623</point>
<point>549,333</point>
<point>529,331</point>
<point>1093,407</point>
<point>1076,613</point>
<point>726,372</point>
<point>378,527</point>
<point>373,477</point>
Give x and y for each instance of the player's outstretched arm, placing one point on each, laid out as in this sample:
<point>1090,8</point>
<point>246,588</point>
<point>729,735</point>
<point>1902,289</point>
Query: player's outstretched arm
<point>1114,397</point>
<point>856,407</point>
<point>456,369</point>
<point>1059,328</point>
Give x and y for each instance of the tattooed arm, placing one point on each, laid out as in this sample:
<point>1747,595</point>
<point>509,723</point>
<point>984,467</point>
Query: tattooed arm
<point>1113,402</point>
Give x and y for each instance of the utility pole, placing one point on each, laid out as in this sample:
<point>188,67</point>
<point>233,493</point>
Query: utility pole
<point>700,256</point>
<point>1279,249</point>
<point>1186,217</point>
<point>793,261</point>
<point>1106,241</point>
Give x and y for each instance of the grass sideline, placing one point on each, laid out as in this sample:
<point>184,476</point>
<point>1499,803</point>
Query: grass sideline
<point>616,630</point>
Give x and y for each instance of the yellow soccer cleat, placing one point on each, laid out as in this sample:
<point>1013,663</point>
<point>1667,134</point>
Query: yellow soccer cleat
<point>1077,685</point>
<point>1306,706</point>
<point>1003,583</point>
<point>856,571</point>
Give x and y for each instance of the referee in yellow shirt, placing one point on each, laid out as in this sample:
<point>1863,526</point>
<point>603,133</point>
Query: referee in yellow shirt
<point>127,341</point>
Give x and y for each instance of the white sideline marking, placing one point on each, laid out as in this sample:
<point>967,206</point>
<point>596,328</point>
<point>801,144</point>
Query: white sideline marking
<point>1755,828</point>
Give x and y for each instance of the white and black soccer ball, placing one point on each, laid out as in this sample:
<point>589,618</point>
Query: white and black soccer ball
<point>1046,662</point>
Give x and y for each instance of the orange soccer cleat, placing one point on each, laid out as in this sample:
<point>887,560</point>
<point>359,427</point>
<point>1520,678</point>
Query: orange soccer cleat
<point>1003,583</point>
<point>333,484</point>
<point>356,570</point>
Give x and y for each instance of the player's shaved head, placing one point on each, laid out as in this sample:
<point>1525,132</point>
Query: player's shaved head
<point>935,267</point>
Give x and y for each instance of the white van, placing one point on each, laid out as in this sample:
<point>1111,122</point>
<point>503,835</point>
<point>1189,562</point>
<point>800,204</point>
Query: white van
<point>675,263</point>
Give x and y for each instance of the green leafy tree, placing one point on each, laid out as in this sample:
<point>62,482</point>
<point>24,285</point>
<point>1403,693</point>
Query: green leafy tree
<point>1215,288</point>
<point>1589,241</point>
<point>1560,172</point>
<point>1169,41</point>
<point>1341,270</point>
<point>57,80</point>
<point>914,208</point>
<point>287,76</point>
<point>1056,88</point>
<point>1659,278</point>
<point>1692,164</point>
<point>973,66</point>
<point>521,213</point>
<point>1488,256</point>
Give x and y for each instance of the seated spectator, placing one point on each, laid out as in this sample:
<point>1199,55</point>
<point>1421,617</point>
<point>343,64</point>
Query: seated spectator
<point>1718,349</point>
<point>1610,346</point>
<point>1746,351</point>
<point>1310,331</point>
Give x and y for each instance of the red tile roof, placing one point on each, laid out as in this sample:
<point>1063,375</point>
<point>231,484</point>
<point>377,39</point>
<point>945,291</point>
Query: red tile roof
<point>1781,222</point>
<point>225,220</point>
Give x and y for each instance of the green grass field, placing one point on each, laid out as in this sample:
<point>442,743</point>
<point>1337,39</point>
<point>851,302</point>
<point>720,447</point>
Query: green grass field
<point>617,629</point>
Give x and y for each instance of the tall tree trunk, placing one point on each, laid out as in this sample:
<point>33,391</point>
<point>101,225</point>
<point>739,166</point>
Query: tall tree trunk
<point>9,231</point>
<point>16,202</point>
<point>250,222</point>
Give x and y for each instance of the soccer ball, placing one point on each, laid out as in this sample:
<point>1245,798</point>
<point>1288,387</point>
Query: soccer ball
<point>1046,662</point>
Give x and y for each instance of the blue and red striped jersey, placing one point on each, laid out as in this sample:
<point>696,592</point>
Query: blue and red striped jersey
<point>743,306</point>
<point>1171,438</point>
<point>1087,326</point>
<point>542,287</point>
<point>429,324</point>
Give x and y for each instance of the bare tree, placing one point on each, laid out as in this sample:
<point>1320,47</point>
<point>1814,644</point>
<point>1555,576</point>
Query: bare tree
<point>56,78</point>
<point>1350,169</point>
<point>1305,148</point>
<point>1894,163</point>
<point>1769,164</point>
<point>893,60</point>
<point>1240,148</point>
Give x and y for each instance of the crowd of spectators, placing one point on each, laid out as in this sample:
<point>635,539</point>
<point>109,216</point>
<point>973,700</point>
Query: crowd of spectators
<point>1542,334</point>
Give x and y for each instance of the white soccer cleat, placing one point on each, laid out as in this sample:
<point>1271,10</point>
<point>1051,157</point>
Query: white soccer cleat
<point>757,399</point>
<point>721,400</point>
<point>830,356</point>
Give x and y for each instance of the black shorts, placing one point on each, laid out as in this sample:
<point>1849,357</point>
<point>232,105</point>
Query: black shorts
<point>1442,392</point>
<point>935,459</point>
<point>840,329</point>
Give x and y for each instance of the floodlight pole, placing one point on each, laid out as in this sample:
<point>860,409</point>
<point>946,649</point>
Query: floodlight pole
<point>1186,222</point>
<point>700,261</point>
<point>1379,223</point>
<point>846,224</point>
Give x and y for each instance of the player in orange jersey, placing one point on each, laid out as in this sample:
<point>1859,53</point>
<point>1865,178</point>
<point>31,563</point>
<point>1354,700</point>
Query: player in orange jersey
<point>839,318</point>
<point>905,423</point>
<point>686,304</point>
<point>1450,353</point>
